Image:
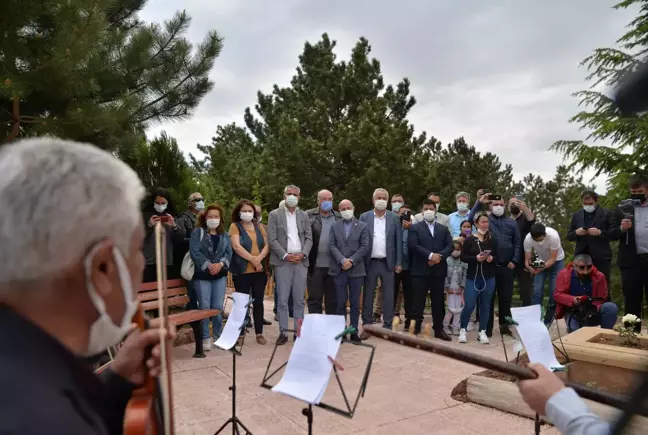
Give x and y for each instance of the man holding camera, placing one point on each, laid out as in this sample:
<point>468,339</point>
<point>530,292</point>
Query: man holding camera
<point>581,292</point>
<point>632,235</point>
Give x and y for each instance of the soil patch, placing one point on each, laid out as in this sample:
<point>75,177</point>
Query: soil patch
<point>184,335</point>
<point>615,340</point>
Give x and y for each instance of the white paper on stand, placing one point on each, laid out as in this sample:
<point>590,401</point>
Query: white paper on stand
<point>535,336</point>
<point>232,329</point>
<point>308,370</point>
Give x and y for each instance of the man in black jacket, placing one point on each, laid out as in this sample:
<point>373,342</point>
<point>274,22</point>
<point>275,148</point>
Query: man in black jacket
<point>320,283</point>
<point>69,294</point>
<point>591,228</point>
<point>632,235</point>
<point>430,243</point>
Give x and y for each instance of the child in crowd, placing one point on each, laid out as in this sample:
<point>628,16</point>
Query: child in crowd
<point>454,287</point>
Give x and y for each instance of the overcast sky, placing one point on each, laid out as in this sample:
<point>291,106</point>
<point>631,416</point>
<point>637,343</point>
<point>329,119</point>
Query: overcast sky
<point>499,72</point>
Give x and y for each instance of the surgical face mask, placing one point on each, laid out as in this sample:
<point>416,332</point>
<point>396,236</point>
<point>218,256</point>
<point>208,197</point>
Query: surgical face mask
<point>247,216</point>
<point>498,210</point>
<point>347,215</point>
<point>292,201</point>
<point>429,215</point>
<point>482,232</point>
<point>396,206</point>
<point>380,204</point>
<point>589,208</point>
<point>200,205</point>
<point>540,242</point>
<point>456,254</point>
<point>212,224</point>
<point>462,206</point>
<point>160,207</point>
<point>103,332</point>
<point>327,205</point>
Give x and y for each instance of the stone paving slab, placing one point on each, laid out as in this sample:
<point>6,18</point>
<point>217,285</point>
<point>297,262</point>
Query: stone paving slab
<point>408,392</point>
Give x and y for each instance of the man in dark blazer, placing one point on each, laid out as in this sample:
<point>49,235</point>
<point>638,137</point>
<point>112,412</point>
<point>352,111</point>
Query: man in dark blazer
<point>591,228</point>
<point>430,243</point>
<point>348,245</point>
<point>383,259</point>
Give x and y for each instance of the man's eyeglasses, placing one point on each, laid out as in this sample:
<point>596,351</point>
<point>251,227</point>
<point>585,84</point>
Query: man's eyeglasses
<point>585,267</point>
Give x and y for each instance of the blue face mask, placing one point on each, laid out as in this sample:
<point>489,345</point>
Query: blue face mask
<point>327,205</point>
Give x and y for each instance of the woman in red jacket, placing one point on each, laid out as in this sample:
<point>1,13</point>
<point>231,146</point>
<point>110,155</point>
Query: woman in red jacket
<point>577,282</point>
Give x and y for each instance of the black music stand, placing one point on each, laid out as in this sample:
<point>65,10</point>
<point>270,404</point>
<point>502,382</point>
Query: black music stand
<point>234,420</point>
<point>350,409</point>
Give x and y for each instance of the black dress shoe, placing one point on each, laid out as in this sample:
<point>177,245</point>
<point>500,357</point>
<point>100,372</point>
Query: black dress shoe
<point>355,338</point>
<point>441,335</point>
<point>267,322</point>
<point>504,329</point>
<point>282,339</point>
<point>294,337</point>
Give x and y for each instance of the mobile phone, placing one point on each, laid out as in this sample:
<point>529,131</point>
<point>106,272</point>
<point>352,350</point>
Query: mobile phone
<point>494,197</point>
<point>485,253</point>
<point>520,196</point>
<point>407,216</point>
<point>164,218</point>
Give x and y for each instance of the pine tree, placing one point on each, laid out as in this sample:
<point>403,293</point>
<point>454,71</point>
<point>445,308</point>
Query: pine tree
<point>89,70</point>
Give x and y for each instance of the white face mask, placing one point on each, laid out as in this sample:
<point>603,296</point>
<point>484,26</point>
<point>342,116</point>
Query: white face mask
<point>540,242</point>
<point>200,205</point>
<point>103,332</point>
<point>247,216</point>
<point>212,224</point>
<point>347,215</point>
<point>160,207</point>
<point>396,206</point>
<point>380,204</point>
<point>482,232</point>
<point>498,210</point>
<point>429,215</point>
<point>292,201</point>
<point>456,254</point>
<point>462,206</point>
<point>589,208</point>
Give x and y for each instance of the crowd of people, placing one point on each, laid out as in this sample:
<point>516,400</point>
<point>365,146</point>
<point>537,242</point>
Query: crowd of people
<point>385,262</point>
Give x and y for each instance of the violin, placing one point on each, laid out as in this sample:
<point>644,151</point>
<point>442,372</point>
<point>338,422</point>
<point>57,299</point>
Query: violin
<point>150,410</point>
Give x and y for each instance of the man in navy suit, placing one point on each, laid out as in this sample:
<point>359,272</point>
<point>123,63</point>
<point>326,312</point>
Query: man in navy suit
<point>383,259</point>
<point>430,243</point>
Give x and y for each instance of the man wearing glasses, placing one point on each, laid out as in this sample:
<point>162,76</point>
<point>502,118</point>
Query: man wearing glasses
<point>580,295</point>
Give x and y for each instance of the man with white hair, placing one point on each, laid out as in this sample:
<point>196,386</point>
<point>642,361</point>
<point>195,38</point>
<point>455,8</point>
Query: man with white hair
<point>385,257</point>
<point>71,251</point>
<point>291,239</point>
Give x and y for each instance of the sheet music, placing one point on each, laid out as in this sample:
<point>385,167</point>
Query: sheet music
<point>232,329</point>
<point>535,336</point>
<point>308,370</point>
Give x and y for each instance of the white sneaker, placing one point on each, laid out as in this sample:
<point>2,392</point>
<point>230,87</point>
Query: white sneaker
<point>471,326</point>
<point>207,344</point>
<point>462,336</point>
<point>455,331</point>
<point>482,337</point>
<point>447,330</point>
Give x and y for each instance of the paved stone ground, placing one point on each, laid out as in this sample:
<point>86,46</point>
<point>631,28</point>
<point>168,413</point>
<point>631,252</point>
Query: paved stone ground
<point>408,392</point>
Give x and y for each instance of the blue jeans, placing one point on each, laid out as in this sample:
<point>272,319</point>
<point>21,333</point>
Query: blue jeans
<point>350,293</point>
<point>211,295</point>
<point>538,289</point>
<point>276,301</point>
<point>470,300</point>
<point>606,319</point>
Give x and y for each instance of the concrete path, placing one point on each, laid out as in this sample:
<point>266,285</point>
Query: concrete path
<point>408,393</point>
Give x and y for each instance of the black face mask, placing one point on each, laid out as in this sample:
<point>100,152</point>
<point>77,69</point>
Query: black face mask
<point>514,209</point>
<point>641,197</point>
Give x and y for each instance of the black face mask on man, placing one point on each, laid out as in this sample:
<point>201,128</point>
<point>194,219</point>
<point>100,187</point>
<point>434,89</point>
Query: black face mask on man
<point>515,210</point>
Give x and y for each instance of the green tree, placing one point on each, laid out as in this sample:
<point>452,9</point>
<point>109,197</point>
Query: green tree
<point>627,135</point>
<point>89,70</point>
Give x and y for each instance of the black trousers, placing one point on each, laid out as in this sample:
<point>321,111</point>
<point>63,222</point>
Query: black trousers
<point>434,285</point>
<point>525,282</point>
<point>320,286</point>
<point>405,280</point>
<point>604,266</point>
<point>635,286</point>
<point>254,285</point>
<point>504,289</point>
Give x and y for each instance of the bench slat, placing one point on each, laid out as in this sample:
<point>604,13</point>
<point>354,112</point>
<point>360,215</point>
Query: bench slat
<point>186,317</point>
<point>148,286</point>
<point>152,295</point>
<point>176,301</point>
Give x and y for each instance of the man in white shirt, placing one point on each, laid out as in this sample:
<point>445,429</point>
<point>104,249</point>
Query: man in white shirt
<point>546,244</point>
<point>441,218</point>
<point>290,238</point>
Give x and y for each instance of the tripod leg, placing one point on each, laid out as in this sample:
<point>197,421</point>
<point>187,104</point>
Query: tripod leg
<point>224,426</point>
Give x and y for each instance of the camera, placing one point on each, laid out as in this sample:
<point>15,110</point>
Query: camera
<point>586,310</point>
<point>537,263</point>
<point>627,207</point>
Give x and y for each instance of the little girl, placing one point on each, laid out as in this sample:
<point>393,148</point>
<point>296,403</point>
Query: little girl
<point>454,287</point>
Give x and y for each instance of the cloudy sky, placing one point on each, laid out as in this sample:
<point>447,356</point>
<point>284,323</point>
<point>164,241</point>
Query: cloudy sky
<point>498,72</point>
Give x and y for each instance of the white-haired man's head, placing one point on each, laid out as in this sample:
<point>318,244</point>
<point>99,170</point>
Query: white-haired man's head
<point>380,197</point>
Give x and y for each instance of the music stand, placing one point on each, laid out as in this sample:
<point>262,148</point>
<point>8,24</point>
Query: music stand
<point>234,420</point>
<point>350,408</point>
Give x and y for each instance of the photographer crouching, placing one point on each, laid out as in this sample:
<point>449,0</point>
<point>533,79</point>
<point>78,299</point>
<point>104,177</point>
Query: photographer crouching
<point>581,292</point>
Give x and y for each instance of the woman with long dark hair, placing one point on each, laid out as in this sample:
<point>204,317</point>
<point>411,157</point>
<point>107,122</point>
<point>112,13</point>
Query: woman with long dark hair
<point>479,253</point>
<point>158,207</point>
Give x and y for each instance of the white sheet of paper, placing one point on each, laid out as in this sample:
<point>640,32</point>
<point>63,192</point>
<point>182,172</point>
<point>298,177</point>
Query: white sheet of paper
<point>535,336</point>
<point>232,329</point>
<point>308,370</point>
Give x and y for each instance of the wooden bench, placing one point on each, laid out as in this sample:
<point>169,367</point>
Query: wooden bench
<point>176,296</point>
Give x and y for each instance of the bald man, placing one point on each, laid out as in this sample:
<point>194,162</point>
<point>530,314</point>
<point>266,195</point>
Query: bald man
<point>320,283</point>
<point>348,244</point>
